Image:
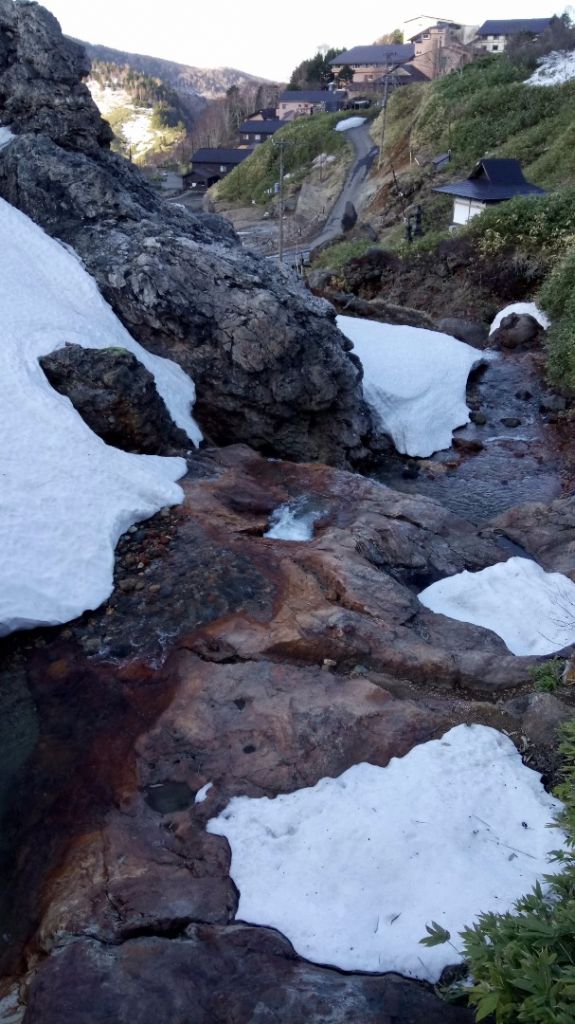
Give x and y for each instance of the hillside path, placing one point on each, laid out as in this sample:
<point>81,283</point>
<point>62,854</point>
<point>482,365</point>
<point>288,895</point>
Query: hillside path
<point>365,153</point>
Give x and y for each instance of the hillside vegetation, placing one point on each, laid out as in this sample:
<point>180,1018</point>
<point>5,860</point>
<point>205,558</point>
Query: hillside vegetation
<point>305,139</point>
<point>488,110</point>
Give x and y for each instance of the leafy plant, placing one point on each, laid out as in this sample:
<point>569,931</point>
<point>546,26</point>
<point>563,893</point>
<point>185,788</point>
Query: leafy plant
<point>523,963</point>
<point>548,676</point>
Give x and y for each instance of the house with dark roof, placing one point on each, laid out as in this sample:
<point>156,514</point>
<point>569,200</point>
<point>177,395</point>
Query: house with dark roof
<point>253,133</point>
<point>368,63</point>
<point>493,36</point>
<point>491,181</point>
<point>210,165</point>
<point>303,102</point>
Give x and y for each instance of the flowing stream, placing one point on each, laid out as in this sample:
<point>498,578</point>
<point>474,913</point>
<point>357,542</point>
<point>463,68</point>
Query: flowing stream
<point>493,465</point>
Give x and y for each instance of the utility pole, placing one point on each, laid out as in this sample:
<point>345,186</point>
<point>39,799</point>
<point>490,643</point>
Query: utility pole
<point>383,118</point>
<point>281,144</point>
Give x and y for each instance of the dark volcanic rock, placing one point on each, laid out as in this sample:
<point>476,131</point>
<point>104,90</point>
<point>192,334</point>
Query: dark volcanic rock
<point>465,330</point>
<point>211,975</point>
<point>116,396</point>
<point>517,331</point>
<point>349,218</point>
<point>40,80</point>
<point>375,309</point>
<point>269,364</point>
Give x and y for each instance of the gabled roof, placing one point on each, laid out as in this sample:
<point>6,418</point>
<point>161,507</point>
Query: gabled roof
<point>220,156</point>
<point>407,71</point>
<point>492,181</point>
<point>308,96</point>
<point>439,24</point>
<point>392,53</point>
<point>514,27</point>
<point>261,127</point>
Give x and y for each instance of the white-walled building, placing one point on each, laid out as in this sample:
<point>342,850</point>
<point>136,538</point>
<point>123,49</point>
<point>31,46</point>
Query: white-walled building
<point>491,181</point>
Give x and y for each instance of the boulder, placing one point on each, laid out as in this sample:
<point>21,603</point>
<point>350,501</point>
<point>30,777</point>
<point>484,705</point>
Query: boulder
<point>117,398</point>
<point>465,330</point>
<point>269,364</point>
<point>204,974</point>
<point>517,331</point>
<point>349,218</point>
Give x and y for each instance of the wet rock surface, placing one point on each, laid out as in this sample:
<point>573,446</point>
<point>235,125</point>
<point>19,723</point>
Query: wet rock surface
<point>238,974</point>
<point>269,364</point>
<point>258,666</point>
<point>117,397</point>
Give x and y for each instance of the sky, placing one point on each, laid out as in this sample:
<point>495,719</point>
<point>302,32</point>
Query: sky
<point>259,37</point>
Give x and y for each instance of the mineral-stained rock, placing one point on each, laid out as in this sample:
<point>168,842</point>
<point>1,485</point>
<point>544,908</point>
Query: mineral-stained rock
<point>547,532</point>
<point>116,396</point>
<point>269,364</point>
<point>214,975</point>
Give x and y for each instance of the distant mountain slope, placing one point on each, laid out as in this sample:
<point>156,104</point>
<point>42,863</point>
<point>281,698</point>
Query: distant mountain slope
<point>199,83</point>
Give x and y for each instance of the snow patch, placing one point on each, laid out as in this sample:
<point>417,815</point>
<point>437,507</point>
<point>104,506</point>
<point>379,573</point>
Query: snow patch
<point>293,521</point>
<point>350,122</point>
<point>521,307</point>
<point>352,869</point>
<point>414,381</point>
<point>554,69</point>
<point>203,792</point>
<point>533,611</point>
<point>6,136</point>
<point>65,496</point>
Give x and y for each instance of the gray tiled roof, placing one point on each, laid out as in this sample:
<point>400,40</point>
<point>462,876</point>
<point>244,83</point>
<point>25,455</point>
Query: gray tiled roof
<point>513,27</point>
<point>220,156</point>
<point>492,181</point>
<point>392,53</point>
<point>267,127</point>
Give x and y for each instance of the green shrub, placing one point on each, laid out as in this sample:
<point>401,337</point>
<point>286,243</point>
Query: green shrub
<point>522,964</point>
<point>557,298</point>
<point>542,226</point>
<point>336,256</point>
<point>306,138</point>
<point>548,676</point>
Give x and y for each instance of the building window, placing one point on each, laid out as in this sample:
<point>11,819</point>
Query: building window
<point>223,168</point>
<point>495,48</point>
<point>258,138</point>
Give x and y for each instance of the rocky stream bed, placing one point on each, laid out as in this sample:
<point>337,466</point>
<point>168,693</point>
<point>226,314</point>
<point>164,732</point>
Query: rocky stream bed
<point>260,666</point>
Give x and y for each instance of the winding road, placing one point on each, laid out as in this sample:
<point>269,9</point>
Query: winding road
<point>365,153</point>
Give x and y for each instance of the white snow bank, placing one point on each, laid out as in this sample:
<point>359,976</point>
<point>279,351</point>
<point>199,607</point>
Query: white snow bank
<point>65,496</point>
<point>352,869</point>
<point>350,122</point>
<point>414,381</point>
<point>554,69</point>
<point>521,307</point>
<point>533,611</point>
<point>294,521</point>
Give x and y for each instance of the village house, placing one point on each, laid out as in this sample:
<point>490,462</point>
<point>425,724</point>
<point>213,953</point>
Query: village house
<point>304,102</point>
<point>369,63</point>
<point>253,133</point>
<point>211,165</point>
<point>491,181</point>
<point>493,36</point>
<point>442,47</point>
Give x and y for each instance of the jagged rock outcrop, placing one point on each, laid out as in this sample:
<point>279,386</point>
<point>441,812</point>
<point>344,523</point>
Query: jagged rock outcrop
<point>269,364</point>
<point>41,87</point>
<point>117,398</point>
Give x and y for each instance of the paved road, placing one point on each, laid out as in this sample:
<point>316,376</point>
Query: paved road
<point>365,153</point>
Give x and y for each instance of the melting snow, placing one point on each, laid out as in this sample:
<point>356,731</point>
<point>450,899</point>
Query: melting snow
<point>533,611</point>
<point>350,122</point>
<point>554,69</point>
<point>353,868</point>
<point>202,793</point>
<point>414,381</point>
<point>521,307</point>
<point>65,496</point>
